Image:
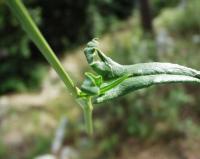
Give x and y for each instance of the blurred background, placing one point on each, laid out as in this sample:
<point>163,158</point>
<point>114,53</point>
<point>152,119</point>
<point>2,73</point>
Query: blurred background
<point>38,118</point>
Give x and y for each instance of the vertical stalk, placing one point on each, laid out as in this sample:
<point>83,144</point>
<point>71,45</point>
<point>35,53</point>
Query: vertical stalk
<point>21,13</point>
<point>87,110</point>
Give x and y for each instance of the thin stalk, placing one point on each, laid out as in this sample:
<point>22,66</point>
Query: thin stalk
<point>21,13</point>
<point>87,110</point>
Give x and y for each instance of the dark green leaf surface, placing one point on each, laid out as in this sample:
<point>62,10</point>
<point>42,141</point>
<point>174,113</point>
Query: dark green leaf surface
<point>119,80</point>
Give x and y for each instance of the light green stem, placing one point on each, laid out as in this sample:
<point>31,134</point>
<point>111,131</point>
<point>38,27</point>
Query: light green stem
<point>20,11</point>
<point>87,109</point>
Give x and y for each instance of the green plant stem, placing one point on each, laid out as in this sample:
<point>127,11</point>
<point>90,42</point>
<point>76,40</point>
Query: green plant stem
<point>87,110</point>
<point>20,11</point>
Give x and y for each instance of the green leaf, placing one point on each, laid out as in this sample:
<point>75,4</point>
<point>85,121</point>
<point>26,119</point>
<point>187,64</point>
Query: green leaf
<point>110,69</point>
<point>134,83</point>
<point>109,85</point>
<point>91,84</point>
<point>123,79</point>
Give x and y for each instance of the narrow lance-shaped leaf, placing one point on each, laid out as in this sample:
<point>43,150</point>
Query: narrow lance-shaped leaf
<point>138,76</point>
<point>134,83</point>
<point>94,85</point>
<point>110,69</point>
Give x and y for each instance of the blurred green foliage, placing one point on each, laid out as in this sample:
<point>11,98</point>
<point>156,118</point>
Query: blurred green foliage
<point>156,113</point>
<point>18,70</point>
<point>64,23</point>
<point>176,21</point>
<point>41,144</point>
<point>158,5</point>
<point>3,150</point>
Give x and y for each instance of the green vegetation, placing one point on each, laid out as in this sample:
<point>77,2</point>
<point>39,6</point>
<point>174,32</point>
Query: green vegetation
<point>166,114</point>
<point>174,18</point>
<point>120,79</point>
<point>154,113</point>
<point>16,56</point>
<point>74,29</point>
<point>34,34</point>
